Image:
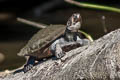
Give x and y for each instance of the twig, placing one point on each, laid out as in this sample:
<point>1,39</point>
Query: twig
<point>104,25</point>
<point>38,25</point>
<point>94,6</point>
<point>86,35</point>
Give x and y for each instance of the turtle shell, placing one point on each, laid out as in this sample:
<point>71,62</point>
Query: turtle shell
<point>41,38</point>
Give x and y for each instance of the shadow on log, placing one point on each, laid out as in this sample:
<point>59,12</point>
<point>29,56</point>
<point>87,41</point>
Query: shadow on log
<point>99,60</point>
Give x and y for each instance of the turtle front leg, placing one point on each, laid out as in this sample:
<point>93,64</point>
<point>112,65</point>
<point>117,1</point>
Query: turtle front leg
<point>85,42</point>
<point>59,53</point>
<point>29,65</point>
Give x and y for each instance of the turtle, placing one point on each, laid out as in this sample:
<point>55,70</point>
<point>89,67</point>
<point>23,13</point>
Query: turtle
<point>54,40</point>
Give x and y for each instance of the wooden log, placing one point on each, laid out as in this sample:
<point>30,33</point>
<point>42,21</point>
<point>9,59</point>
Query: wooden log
<point>99,60</point>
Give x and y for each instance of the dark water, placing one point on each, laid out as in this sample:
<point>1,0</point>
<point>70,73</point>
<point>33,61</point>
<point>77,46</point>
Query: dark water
<point>9,49</point>
<point>12,42</point>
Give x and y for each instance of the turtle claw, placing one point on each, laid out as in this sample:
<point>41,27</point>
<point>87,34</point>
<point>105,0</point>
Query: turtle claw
<point>60,55</point>
<point>27,68</point>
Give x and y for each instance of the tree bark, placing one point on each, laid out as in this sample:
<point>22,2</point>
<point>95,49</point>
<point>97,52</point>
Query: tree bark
<point>99,60</point>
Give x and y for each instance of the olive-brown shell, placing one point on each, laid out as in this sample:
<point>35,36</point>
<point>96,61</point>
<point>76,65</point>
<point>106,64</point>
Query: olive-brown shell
<point>41,38</point>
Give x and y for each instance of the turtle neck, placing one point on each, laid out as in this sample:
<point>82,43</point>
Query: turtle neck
<point>70,36</point>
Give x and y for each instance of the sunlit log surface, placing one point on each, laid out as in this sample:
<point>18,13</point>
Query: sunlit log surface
<point>99,60</point>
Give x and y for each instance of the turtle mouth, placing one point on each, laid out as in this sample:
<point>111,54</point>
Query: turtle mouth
<point>75,27</point>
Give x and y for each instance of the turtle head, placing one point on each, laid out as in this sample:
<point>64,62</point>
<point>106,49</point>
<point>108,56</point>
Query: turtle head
<point>74,22</point>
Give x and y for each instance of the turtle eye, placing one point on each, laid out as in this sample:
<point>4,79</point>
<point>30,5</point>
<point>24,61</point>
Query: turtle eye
<point>69,23</point>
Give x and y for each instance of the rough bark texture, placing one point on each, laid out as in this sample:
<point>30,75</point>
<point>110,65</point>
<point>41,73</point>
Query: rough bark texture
<point>99,60</point>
